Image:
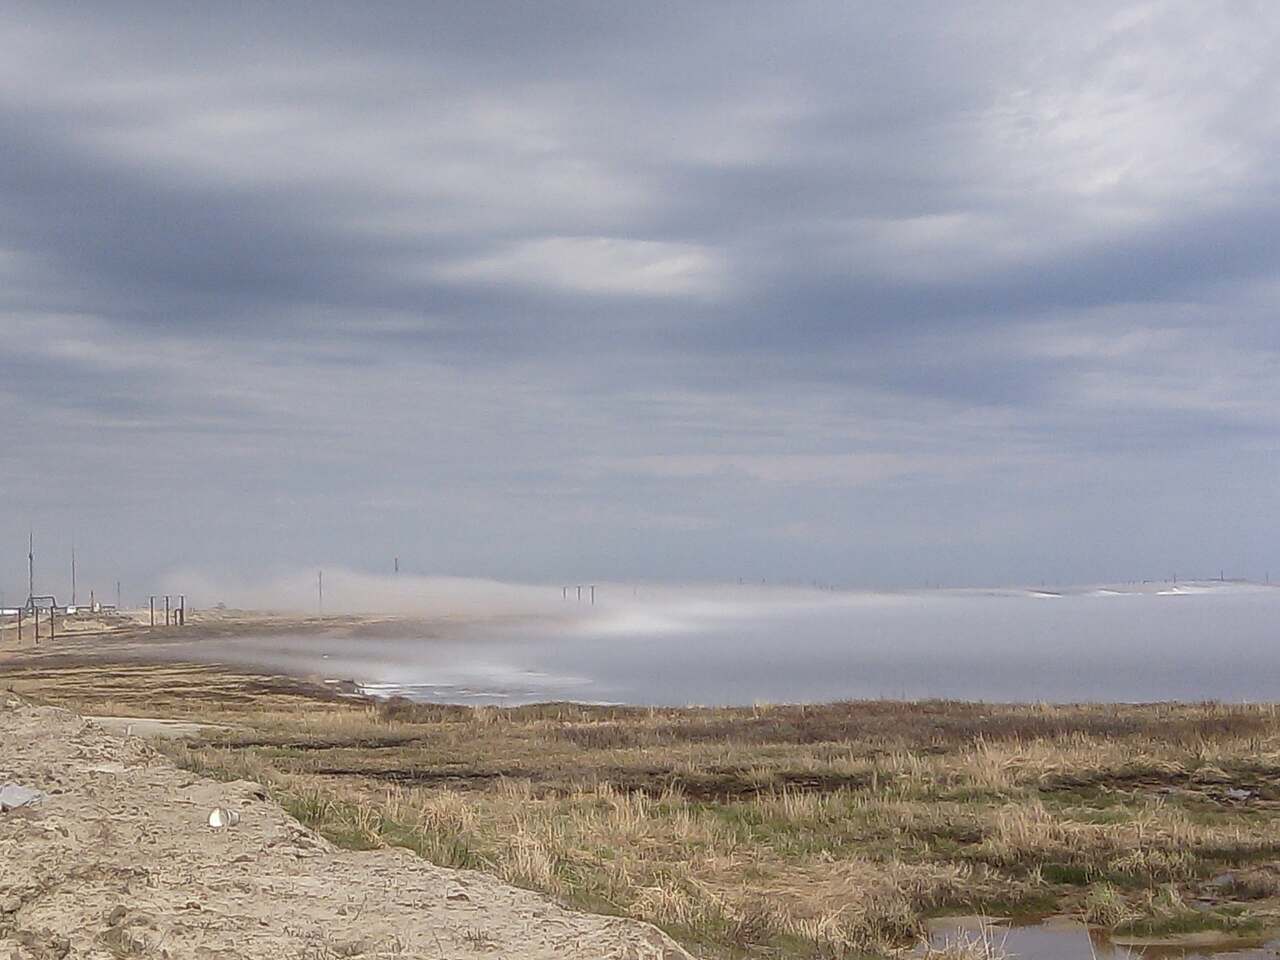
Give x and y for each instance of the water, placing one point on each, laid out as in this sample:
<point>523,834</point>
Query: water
<point>743,646</point>
<point>1065,939</point>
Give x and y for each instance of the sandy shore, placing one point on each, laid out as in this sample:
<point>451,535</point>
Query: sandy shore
<point>130,634</point>
<point>119,860</point>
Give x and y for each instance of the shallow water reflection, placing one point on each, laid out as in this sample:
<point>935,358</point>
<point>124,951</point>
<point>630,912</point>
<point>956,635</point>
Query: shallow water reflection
<point>1061,938</point>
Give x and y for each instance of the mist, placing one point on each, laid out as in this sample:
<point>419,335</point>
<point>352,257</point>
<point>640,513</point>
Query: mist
<point>346,591</point>
<point>478,641</point>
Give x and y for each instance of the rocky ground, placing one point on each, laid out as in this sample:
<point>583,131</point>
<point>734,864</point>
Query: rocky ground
<point>118,860</point>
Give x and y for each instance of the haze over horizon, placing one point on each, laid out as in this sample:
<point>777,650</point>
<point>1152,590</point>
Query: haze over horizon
<point>873,295</point>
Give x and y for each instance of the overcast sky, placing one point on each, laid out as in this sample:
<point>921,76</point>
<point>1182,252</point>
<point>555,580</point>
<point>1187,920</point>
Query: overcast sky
<point>873,293</point>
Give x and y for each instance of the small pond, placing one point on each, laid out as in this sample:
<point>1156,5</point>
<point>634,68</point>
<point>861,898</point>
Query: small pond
<point>1063,938</point>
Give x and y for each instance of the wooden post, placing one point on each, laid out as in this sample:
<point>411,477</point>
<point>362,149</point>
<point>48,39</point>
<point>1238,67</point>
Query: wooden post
<point>153,610</point>
<point>166,610</point>
<point>182,609</point>
<point>52,628</point>
<point>35,615</point>
<point>19,625</point>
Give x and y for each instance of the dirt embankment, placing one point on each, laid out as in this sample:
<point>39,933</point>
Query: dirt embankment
<point>119,861</point>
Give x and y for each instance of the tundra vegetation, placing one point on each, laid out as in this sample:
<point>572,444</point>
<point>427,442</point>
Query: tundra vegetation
<point>769,831</point>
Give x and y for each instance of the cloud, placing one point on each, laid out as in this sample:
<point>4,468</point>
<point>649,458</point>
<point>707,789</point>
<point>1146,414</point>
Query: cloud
<point>604,265</point>
<point>588,291</point>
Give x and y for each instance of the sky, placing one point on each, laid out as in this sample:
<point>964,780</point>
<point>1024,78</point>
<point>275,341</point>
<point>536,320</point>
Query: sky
<point>870,294</point>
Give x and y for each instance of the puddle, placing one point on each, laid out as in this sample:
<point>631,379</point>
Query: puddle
<point>1063,938</point>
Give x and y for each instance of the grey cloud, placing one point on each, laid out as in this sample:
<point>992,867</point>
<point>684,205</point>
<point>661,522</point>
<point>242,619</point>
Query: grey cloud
<point>306,282</point>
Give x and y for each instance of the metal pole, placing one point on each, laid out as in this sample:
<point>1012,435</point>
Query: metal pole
<point>320,592</point>
<point>166,610</point>
<point>182,609</point>
<point>153,609</point>
<point>593,594</point>
<point>579,593</point>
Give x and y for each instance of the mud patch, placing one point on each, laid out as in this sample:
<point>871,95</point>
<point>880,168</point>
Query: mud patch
<point>1250,786</point>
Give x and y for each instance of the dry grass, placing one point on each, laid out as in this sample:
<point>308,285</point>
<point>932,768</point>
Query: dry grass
<point>986,943</point>
<point>781,831</point>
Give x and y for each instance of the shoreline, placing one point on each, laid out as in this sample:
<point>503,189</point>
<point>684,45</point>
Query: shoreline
<point>510,660</point>
<point>130,644</point>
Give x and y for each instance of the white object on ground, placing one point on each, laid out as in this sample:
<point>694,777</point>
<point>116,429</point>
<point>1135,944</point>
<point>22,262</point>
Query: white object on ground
<point>222,817</point>
<point>13,795</point>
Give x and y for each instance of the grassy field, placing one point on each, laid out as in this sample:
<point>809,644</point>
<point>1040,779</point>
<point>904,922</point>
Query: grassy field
<point>833,830</point>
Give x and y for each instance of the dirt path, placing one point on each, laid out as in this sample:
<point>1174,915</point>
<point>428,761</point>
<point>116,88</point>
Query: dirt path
<point>119,861</point>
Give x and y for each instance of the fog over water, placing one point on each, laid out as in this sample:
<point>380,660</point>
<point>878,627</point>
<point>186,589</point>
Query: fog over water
<point>740,645</point>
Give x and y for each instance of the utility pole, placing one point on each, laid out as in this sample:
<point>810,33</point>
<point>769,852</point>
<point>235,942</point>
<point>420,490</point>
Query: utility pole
<point>320,592</point>
<point>31,572</point>
<point>117,596</point>
<point>73,576</point>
